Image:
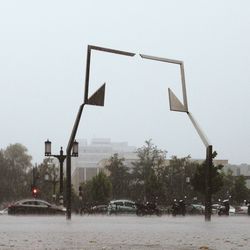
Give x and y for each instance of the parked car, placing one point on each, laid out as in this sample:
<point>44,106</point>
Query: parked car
<point>215,208</point>
<point>4,211</point>
<point>195,209</point>
<point>99,209</point>
<point>232,210</point>
<point>242,209</point>
<point>34,206</point>
<point>121,206</point>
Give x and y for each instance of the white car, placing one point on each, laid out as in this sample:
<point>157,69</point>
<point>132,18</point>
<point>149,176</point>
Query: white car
<point>242,209</point>
<point>232,210</point>
<point>121,206</point>
<point>220,209</point>
<point>215,208</point>
<point>4,211</point>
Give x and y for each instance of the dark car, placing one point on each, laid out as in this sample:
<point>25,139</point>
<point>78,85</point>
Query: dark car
<point>34,206</point>
<point>99,209</point>
<point>148,208</point>
<point>195,209</point>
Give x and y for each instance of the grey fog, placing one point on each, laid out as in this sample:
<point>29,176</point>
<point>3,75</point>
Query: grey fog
<point>43,59</point>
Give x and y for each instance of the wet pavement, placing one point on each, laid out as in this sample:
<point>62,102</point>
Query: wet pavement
<point>124,232</point>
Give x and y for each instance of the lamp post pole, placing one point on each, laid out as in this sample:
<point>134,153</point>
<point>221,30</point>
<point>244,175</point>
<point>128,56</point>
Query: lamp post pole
<point>61,157</point>
<point>208,195</point>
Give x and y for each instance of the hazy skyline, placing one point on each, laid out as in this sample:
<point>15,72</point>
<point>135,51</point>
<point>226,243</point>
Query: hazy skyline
<point>43,55</point>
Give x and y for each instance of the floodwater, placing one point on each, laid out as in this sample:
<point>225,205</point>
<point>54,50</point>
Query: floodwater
<point>124,232</point>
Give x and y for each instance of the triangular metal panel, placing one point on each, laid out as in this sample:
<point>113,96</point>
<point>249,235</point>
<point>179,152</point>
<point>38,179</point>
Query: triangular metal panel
<point>98,97</point>
<point>174,103</point>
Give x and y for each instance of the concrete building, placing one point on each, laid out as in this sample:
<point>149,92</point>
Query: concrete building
<point>89,161</point>
<point>94,156</point>
<point>242,169</point>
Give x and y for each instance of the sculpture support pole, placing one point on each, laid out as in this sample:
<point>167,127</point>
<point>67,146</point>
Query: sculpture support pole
<point>208,179</point>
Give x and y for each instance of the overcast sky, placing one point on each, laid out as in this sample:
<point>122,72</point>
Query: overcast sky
<point>42,72</point>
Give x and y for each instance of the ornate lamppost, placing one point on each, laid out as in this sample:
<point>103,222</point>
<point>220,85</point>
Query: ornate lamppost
<point>61,157</point>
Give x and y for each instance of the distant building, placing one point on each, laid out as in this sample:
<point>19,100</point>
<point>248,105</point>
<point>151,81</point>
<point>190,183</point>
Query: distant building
<point>242,169</point>
<point>215,161</point>
<point>93,157</point>
<point>88,163</point>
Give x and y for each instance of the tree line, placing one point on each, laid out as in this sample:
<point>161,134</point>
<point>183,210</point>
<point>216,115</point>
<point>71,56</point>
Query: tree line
<point>19,175</point>
<point>150,178</point>
<point>153,178</point>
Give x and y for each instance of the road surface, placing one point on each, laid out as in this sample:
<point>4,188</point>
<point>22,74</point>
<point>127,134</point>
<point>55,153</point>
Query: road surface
<point>124,232</point>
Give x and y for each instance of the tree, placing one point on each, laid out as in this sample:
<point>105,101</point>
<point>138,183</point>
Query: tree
<point>147,172</point>
<point>198,180</point>
<point>18,154</point>
<point>226,191</point>
<point>177,179</point>
<point>100,188</point>
<point>118,176</point>
<point>47,187</point>
<point>14,163</point>
<point>87,192</point>
<point>5,189</point>
<point>239,191</point>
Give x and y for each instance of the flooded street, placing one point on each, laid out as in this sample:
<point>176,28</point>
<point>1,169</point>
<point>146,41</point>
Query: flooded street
<point>124,232</point>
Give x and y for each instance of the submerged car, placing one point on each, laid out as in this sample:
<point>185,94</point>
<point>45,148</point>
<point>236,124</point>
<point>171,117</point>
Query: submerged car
<point>34,206</point>
<point>122,206</point>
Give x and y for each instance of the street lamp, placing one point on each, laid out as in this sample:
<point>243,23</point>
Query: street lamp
<point>177,105</point>
<point>75,149</point>
<point>48,148</point>
<point>96,99</point>
<point>61,157</point>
